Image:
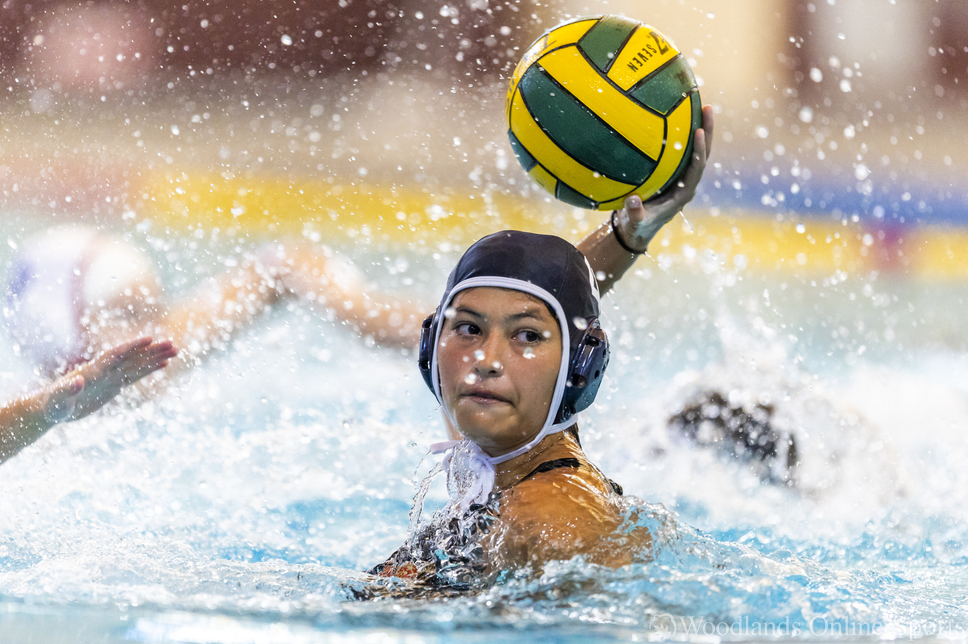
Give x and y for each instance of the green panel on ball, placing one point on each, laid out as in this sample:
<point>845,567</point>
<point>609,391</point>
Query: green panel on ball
<point>695,112</point>
<point>580,133</point>
<point>665,89</point>
<point>696,124</point>
<point>524,157</point>
<point>604,39</point>
<point>565,193</point>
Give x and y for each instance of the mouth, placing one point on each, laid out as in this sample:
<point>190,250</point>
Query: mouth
<point>483,396</point>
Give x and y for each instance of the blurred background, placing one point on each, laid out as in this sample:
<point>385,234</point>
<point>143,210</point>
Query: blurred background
<point>267,116</point>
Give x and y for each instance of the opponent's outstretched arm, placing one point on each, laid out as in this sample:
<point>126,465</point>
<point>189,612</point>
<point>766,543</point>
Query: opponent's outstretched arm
<point>335,288</point>
<point>80,392</point>
<point>218,309</point>
<point>289,269</point>
<point>639,222</point>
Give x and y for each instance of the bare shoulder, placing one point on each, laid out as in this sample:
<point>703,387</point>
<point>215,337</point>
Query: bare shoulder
<point>560,514</point>
<point>559,496</point>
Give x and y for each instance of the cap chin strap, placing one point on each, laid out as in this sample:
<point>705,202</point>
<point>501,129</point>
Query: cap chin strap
<point>470,470</point>
<point>469,456</point>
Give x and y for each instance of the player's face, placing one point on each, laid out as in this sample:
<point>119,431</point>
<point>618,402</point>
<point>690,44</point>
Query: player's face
<point>499,355</point>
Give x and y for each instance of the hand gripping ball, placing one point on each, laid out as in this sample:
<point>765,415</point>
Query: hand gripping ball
<point>601,108</point>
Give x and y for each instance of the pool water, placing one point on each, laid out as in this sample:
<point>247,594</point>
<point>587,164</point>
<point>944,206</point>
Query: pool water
<point>242,504</point>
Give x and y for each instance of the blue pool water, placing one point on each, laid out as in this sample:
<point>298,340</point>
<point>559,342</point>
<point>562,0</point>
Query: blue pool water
<point>241,505</point>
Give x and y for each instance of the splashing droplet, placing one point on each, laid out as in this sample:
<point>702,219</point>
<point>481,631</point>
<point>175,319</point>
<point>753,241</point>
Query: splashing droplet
<point>580,323</point>
<point>529,352</point>
<point>479,355</point>
<point>471,378</point>
<point>686,224</point>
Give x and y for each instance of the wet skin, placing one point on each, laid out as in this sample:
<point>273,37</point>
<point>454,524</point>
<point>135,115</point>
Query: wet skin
<point>499,356</point>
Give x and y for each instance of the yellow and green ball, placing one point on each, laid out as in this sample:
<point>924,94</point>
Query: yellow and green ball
<point>602,108</point>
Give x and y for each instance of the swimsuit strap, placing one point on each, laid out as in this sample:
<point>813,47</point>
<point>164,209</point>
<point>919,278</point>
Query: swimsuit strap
<point>557,464</point>
<point>615,486</point>
<point>570,463</point>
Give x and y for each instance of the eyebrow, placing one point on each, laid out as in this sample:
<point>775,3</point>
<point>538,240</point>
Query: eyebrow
<point>529,314</point>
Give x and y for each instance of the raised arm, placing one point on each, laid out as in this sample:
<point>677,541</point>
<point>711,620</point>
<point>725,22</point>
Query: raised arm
<point>214,312</point>
<point>335,288</point>
<point>208,317</point>
<point>79,393</point>
<point>639,222</point>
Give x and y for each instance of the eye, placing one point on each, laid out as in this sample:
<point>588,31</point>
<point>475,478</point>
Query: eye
<point>466,328</point>
<point>528,336</point>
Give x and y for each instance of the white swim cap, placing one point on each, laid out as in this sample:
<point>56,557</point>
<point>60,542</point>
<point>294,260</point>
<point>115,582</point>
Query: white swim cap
<point>59,275</point>
<point>114,269</point>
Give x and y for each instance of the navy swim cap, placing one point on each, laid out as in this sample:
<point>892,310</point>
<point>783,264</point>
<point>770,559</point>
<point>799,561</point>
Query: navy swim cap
<point>553,270</point>
<point>546,261</point>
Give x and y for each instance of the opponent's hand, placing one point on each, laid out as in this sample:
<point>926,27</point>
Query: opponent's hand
<point>639,222</point>
<point>89,387</point>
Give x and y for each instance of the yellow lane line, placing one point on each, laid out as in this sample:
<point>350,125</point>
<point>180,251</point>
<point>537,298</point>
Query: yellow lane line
<point>394,215</point>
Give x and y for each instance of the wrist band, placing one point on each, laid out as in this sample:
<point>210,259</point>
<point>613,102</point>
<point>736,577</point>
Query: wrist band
<point>618,237</point>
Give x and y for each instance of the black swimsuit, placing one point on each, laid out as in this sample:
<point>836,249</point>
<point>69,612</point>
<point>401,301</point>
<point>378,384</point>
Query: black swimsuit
<point>448,558</point>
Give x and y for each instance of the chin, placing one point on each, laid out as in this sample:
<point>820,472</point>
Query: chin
<point>482,434</point>
<point>492,441</point>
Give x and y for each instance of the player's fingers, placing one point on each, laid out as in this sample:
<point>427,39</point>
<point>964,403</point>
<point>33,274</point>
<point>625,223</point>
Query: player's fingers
<point>707,126</point>
<point>131,362</point>
<point>163,348</point>
<point>149,365</point>
<point>690,180</point>
<point>634,209</point>
<point>134,345</point>
<point>126,349</point>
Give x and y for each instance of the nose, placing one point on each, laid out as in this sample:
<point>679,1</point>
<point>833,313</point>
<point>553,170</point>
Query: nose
<point>487,362</point>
